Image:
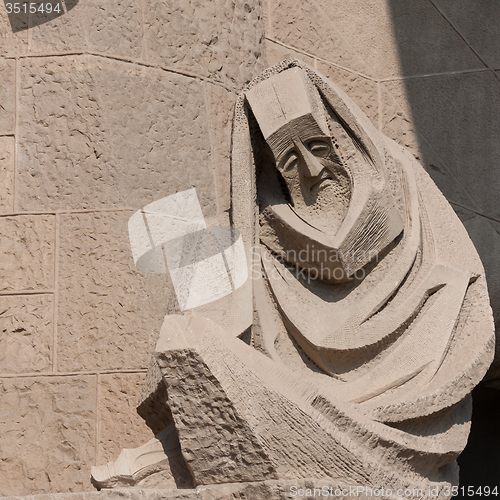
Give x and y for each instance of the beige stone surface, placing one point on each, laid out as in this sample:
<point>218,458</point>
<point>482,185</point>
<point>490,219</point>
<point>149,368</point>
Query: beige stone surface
<point>94,133</point>
<point>221,40</point>
<point>7,95</point>
<point>27,252</point>
<point>220,107</point>
<point>450,111</point>
<point>398,123</point>
<point>276,53</point>
<point>47,438</point>
<point>109,313</point>
<point>396,117</point>
<point>12,43</point>
<point>26,333</point>
<point>363,377</point>
<point>259,490</point>
<point>120,425</point>
<point>7,174</point>
<point>363,91</point>
<point>97,133</point>
<point>67,32</point>
<point>216,39</point>
<point>374,37</point>
<point>314,29</point>
<point>114,28</point>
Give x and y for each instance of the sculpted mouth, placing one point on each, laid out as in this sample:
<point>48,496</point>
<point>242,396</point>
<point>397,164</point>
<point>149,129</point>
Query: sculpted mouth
<point>316,187</point>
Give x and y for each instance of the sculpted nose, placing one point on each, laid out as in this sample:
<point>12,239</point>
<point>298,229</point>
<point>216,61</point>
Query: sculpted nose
<point>309,164</point>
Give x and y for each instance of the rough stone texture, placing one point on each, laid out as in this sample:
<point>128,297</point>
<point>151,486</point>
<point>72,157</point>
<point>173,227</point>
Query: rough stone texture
<point>103,140</point>
<point>109,313</point>
<point>64,33</point>
<point>27,252</point>
<point>6,174</point>
<point>363,91</point>
<point>98,133</point>
<point>276,53</point>
<point>396,118</point>
<point>304,28</point>
<point>7,95</point>
<point>48,434</point>
<point>220,105</point>
<point>218,443</point>
<point>261,490</point>
<point>217,39</point>
<point>358,35</point>
<point>114,27</point>
<point>12,43</point>
<point>120,425</point>
<point>26,333</point>
<point>396,352</point>
<point>362,36</point>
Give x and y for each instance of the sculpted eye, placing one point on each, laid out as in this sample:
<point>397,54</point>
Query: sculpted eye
<point>290,162</point>
<point>319,148</point>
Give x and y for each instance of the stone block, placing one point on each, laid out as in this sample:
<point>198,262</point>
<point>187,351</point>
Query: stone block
<point>314,29</point>
<point>374,37</point>
<point>100,133</point>
<point>66,32</point>
<point>220,106</point>
<point>13,35</point>
<point>27,243</point>
<point>7,174</point>
<point>398,124</point>
<point>478,23</point>
<point>427,46</point>
<point>457,115</point>
<point>109,313</point>
<point>396,116</point>
<point>114,27</point>
<point>47,436</point>
<point>217,39</point>
<point>7,95</point>
<point>119,423</point>
<point>276,53</point>
<point>363,91</point>
<point>26,333</point>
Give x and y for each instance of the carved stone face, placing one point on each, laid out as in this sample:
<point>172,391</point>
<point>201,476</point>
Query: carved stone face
<point>318,184</point>
<point>322,186</point>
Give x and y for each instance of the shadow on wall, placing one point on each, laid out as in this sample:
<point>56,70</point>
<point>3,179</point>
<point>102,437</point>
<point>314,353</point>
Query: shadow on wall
<point>24,15</point>
<point>449,55</point>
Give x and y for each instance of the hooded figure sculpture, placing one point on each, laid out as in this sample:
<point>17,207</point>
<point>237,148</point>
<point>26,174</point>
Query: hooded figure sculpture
<point>366,326</point>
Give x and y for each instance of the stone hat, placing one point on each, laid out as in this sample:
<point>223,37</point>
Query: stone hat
<point>283,98</point>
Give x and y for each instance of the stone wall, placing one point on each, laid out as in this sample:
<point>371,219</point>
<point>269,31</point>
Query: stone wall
<point>116,104</point>
<point>102,110</point>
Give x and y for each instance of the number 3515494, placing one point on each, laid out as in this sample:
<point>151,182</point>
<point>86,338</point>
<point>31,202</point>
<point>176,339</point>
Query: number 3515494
<point>33,8</point>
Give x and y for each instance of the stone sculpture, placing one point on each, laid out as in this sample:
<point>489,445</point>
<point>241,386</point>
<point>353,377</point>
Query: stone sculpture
<point>365,326</point>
